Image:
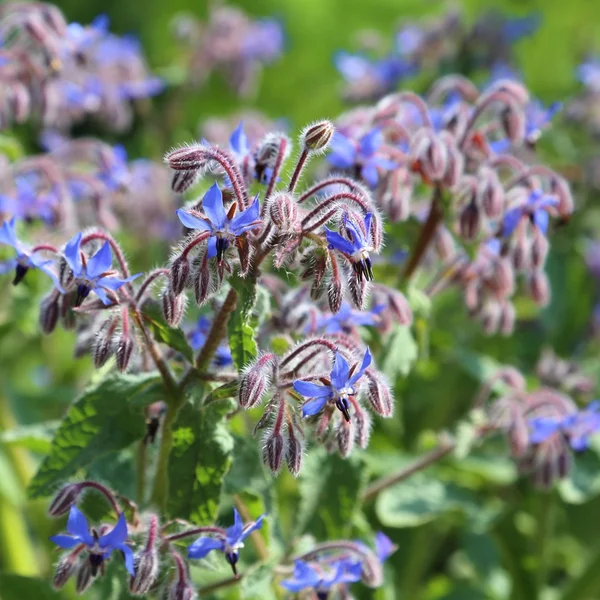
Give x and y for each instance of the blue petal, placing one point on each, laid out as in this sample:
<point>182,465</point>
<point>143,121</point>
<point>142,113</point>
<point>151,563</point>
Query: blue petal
<point>73,255</point>
<point>246,219</point>
<point>370,142</point>
<point>339,242</point>
<point>114,283</point>
<point>357,235</point>
<point>541,219</point>
<point>384,547</point>
<point>369,174</point>
<point>367,358</point>
<point>238,141</point>
<point>100,262</point>
<point>340,372</point>
<point>234,533</point>
<point>7,234</point>
<point>314,406</point>
<point>212,247</point>
<point>192,222</point>
<point>343,151</point>
<point>103,296</point>
<point>304,577</point>
<point>202,546</point>
<point>257,525</point>
<point>542,428</point>
<point>368,219</point>
<point>312,390</point>
<point>212,204</point>
<point>128,556</point>
<point>511,220</point>
<point>347,572</point>
<point>116,537</point>
<point>65,541</point>
<point>77,526</point>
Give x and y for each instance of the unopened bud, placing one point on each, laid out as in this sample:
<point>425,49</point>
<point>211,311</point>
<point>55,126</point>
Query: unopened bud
<point>181,590</point>
<point>399,306</point>
<point>173,307</point>
<point>293,452</point>
<point>188,158</point>
<point>49,312</point>
<point>539,249</point>
<point>561,189</point>
<point>179,274</point>
<point>255,381</point>
<point>145,567</point>
<point>334,294</point>
<point>316,137</point>
<point>357,286</point>
<point>85,578</point>
<point>490,193</point>
<point>372,571</point>
<point>362,427</point>
<point>65,568</point>
<point>503,278</point>
<point>183,180</point>
<point>379,394</point>
<point>470,221</point>
<point>454,168</point>
<point>104,347</point>
<point>539,288</point>
<point>490,317</point>
<point>513,122</point>
<point>273,451</point>
<point>345,437</point>
<point>283,211</point>
<point>124,352</point>
<point>66,497</point>
<point>507,319</point>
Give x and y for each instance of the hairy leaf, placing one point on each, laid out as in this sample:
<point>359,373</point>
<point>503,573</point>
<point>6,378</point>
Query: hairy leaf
<point>105,418</point>
<point>242,337</point>
<point>16,587</point>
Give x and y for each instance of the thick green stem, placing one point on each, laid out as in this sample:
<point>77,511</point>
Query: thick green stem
<point>18,555</point>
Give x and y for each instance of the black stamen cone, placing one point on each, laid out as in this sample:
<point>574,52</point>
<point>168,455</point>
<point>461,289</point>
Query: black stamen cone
<point>322,594</point>
<point>83,291</point>
<point>20,272</point>
<point>221,247</point>
<point>342,404</point>
<point>232,558</point>
<point>96,561</point>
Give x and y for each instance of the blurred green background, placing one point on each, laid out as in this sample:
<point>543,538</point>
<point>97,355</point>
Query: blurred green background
<point>467,529</point>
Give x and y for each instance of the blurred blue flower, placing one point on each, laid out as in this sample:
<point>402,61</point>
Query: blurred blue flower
<point>409,39</point>
<point>93,275</point>
<point>198,336</point>
<point>538,117</point>
<point>223,227</point>
<point>229,544</point>
<point>347,318</point>
<point>536,208</point>
<point>588,73</point>
<point>384,547</point>
<point>264,41</point>
<point>99,547</point>
<point>517,28</point>
<point>357,248</point>
<point>362,156</point>
<point>25,259</point>
<point>322,577</point>
<point>339,390</point>
<point>115,172</point>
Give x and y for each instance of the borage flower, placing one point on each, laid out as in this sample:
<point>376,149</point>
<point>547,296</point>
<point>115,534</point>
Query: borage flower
<point>25,259</point>
<point>537,208</point>
<point>323,577</point>
<point>336,390</point>
<point>198,337</point>
<point>99,547</point>
<point>346,319</point>
<point>228,542</point>
<point>363,156</point>
<point>357,248</point>
<point>224,228</point>
<point>93,274</point>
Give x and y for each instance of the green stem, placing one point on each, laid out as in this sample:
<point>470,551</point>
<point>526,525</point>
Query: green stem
<point>18,555</point>
<point>209,589</point>
<point>19,457</point>
<point>141,455</point>
<point>587,585</point>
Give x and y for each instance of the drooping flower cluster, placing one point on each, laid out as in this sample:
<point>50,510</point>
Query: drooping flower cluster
<point>231,43</point>
<point>62,73</point>
<point>542,426</point>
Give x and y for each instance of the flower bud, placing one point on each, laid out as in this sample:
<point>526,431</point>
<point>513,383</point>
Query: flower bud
<point>521,253</point>
<point>316,138</point>
<point>104,347</point>
<point>145,567</point>
<point>85,578</point>
<point>181,590</point>
<point>255,381</point>
<point>539,288</point>
<point>372,571</point>
<point>490,317</point>
<point>188,158</point>
<point>444,244</point>
<point>179,274</point>
<point>334,294</point>
<point>283,211</point>
<point>173,307</point>
<point>539,249</point>
<point>49,312</point>
<point>490,194</point>
<point>357,286</point>
<point>273,451</point>
<point>345,437</point>
<point>399,306</point>
<point>561,189</point>
<point>293,451</point>
<point>503,278</point>
<point>65,568</point>
<point>124,352</point>
<point>362,427</point>
<point>507,319</point>
<point>66,497</point>
<point>455,167</point>
<point>183,180</point>
<point>67,315</point>
<point>379,394</point>
<point>470,221</point>
<point>513,122</point>
<point>203,288</point>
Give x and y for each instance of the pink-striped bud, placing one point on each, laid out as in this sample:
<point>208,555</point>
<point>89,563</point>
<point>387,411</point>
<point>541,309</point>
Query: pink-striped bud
<point>345,437</point>
<point>294,450</point>
<point>316,138</point>
<point>357,286</point>
<point>283,211</point>
<point>85,577</point>
<point>187,158</point>
<point>561,189</point>
<point>181,590</point>
<point>431,158</point>
<point>513,122</point>
<point>183,180</point>
<point>379,394</point>
<point>539,288</point>
<point>443,242</point>
<point>145,568</point>
<point>273,451</point>
<point>490,193</point>
<point>49,312</point>
<point>173,307</point>
<point>104,345</point>
<point>179,274</point>
<point>539,249</point>
<point>454,168</point>
<point>470,221</point>
<point>203,288</point>
<point>503,278</point>
<point>490,317</point>
<point>334,294</point>
<point>521,252</point>
<point>64,499</point>
<point>255,381</point>
<point>507,319</point>
<point>64,570</point>
<point>124,353</point>
<point>362,427</point>
<point>399,306</point>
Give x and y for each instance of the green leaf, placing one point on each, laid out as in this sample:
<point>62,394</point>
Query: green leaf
<point>105,418</point>
<point>200,459</point>
<point>242,337</point>
<point>171,336</point>
<point>227,390</point>
<point>330,490</point>
<point>16,587</point>
<point>400,353</point>
<point>247,471</point>
<point>257,583</point>
<point>36,437</point>
<point>583,482</point>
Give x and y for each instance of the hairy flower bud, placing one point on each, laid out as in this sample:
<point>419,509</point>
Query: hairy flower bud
<point>539,249</point>
<point>539,288</point>
<point>293,450</point>
<point>507,319</point>
<point>503,278</point>
<point>379,394</point>
<point>64,570</point>
<point>283,211</point>
<point>49,312</point>
<point>513,122</point>
<point>561,189</point>
<point>490,194</point>
<point>104,346</point>
<point>85,578</point>
<point>345,437</point>
<point>179,274</point>
<point>372,571</point>
<point>273,451</point>
<point>124,353</point>
<point>173,307</point>
<point>146,570</point>
<point>64,499</point>
<point>334,294</point>
<point>181,590</point>
<point>255,381</point>
<point>183,180</point>
<point>470,221</point>
<point>362,426</point>
<point>187,158</point>
<point>316,138</point>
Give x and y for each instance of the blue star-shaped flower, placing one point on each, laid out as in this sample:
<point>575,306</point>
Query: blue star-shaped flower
<point>224,227</point>
<point>338,390</point>
<point>93,275</point>
<point>229,543</point>
<point>362,155</point>
<point>589,74</point>
<point>25,259</point>
<point>322,578</point>
<point>238,142</point>
<point>536,208</point>
<point>115,174</point>
<point>99,547</point>
<point>347,318</point>
<point>222,356</point>
<point>357,248</point>
<point>538,117</point>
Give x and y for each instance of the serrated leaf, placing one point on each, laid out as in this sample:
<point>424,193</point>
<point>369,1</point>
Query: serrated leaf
<point>36,437</point>
<point>171,336</point>
<point>330,490</point>
<point>105,418</point>
<point>242,342</point>
<point>400,353</point>
<point>16,587</point>
<point>200,459</point>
